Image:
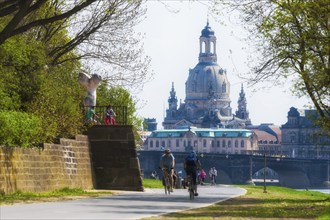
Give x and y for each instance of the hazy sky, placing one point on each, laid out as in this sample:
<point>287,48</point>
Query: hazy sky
<point>172,42</point>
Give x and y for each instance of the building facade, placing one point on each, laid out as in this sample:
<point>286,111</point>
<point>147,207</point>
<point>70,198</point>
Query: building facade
<point>302,138</point>
<point>269,139</point>
<point>203,140</point>
<point>207,101</point>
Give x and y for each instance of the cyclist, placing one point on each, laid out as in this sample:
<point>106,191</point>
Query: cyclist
<point>166,163</point>
<point>191,164</point>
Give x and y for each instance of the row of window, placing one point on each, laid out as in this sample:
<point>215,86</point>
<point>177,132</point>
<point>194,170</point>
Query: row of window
<point>267,142</point>
<point>189,143</point>
<point>292,137</point>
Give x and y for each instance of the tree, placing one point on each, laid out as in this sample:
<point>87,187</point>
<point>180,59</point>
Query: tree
<point>118,96</point>
<point>101,34</point>
<point>292,38</point>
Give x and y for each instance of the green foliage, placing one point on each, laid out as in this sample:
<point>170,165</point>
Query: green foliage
<point>39,71</point>
<point>118,96</point>
<point>57,103</point>
<point>294,44</point>
<point>19,129</point>
<point>60,194</point>
<point>30,83</point>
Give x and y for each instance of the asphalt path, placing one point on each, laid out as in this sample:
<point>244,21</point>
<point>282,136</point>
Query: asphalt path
<point>124,205</point>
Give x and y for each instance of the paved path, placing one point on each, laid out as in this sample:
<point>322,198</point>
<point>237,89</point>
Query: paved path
<point>127,205</point>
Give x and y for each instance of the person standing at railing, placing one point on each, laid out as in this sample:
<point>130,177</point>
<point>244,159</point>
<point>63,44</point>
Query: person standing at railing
<point>110,116</point>
<point>91,117</point>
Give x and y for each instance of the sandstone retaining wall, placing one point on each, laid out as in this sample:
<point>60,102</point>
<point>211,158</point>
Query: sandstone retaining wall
<point>67,164</point>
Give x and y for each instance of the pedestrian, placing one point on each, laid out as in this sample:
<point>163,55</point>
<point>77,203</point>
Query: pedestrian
<point>91,116</point>
<point>211,175</point>
<point>202,176</point>
<point>154,175</point>
<point>215,174</point>
<point>110,116</point>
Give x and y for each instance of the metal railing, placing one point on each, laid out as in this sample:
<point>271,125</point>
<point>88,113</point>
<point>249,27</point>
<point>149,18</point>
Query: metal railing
<point>120,111</point>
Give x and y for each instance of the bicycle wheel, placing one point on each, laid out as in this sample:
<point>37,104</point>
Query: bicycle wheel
<point>191,191</point>
<point>167,186</point>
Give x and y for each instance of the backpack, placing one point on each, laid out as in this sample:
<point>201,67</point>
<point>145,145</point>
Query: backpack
<point>190,161</point>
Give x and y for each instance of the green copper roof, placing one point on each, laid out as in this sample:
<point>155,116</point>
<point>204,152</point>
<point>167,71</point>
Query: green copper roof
<point>202,132</point>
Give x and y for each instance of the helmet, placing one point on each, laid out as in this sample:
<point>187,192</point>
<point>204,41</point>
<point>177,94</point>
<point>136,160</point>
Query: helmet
<point>167,151</point>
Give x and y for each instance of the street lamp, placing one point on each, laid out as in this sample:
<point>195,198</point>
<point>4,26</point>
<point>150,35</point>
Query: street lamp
<point>265,191</point>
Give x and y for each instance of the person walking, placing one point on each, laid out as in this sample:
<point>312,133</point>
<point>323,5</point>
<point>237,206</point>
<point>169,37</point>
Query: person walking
<point>215,174</point>
<point>202,176</point>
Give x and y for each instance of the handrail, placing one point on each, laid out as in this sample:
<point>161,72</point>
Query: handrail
<point>120,111</point>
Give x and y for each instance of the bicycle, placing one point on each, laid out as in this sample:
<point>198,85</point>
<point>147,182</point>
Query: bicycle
<point>167,183</point>
<point>191,187</point>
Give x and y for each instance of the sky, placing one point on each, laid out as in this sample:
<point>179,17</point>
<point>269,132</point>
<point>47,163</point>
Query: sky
<point>172,30</point>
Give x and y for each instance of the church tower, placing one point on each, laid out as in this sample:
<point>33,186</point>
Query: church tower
<point>242,111</point>
<point>171,112</point>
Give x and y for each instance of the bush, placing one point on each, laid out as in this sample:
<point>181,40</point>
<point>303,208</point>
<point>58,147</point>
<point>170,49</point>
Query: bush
<point>20,129</point>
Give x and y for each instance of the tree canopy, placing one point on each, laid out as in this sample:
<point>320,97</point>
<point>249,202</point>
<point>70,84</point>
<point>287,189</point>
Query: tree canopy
<point>292,38</point>
<point>99,32</point>
<point>41,55</point>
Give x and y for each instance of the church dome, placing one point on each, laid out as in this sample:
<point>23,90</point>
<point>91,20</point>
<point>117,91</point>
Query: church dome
<point>206,81</point>
<point>207,31</point>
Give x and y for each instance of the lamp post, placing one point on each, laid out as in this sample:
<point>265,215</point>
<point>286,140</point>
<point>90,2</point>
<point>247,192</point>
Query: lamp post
<point>265,191</point>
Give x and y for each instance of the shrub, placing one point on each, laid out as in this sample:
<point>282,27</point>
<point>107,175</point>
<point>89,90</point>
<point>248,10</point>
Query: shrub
<point>20,129</point>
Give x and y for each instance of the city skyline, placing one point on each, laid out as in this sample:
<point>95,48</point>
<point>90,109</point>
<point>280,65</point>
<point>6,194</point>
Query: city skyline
<point>172,42</point>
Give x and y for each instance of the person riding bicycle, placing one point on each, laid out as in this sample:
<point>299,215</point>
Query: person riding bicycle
<point>166,163</point>
<point>191,164</point>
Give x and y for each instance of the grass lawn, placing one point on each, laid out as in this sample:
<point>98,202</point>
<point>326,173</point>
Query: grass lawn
<point>62,194</point>
<point>277,203</point>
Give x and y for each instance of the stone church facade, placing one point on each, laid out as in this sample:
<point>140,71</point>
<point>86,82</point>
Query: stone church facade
<point>207,101</point>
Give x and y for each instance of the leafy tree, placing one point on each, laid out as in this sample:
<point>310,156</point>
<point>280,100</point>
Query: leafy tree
<point>29,85</point>
<point>101,34</point>
<point>119,96</point>
<point>292,38</point>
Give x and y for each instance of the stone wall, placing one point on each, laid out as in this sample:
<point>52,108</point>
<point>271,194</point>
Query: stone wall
<point>115,161</point>
<point>67,164</point>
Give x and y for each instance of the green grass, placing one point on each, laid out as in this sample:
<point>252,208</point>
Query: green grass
<point>61,194</point>
<point>152,183</point>
<point>277,203</point>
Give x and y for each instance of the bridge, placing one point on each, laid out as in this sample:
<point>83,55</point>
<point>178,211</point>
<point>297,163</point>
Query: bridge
<point>239,169</point>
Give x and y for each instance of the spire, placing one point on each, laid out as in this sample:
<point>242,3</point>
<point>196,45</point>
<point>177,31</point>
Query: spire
<point>173,93</point>
<point>172,100</point>
<point>242,111</point>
